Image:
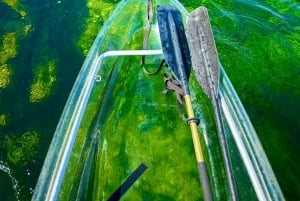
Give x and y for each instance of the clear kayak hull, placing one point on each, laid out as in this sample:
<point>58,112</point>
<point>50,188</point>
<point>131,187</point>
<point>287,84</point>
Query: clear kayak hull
<point>116,118</point>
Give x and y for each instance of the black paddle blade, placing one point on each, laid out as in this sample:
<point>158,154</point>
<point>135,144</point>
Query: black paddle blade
<point>174,43</point>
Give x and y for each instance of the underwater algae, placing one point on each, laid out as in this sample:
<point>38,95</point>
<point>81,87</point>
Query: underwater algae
<point>8,50</point>
<point>44,82</point>
<point>3,120</point>
<point>5,76</point>
<point>22,149</point>
<point>98,13</point>
<point>16,6</point>
<point>9,47</point>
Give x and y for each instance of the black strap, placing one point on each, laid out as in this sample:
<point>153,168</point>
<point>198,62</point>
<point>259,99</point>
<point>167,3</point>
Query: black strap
<point>128,183</point>
<point>163,61</point>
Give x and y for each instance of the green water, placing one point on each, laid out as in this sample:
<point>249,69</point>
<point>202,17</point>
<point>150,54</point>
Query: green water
<point>258,44</point>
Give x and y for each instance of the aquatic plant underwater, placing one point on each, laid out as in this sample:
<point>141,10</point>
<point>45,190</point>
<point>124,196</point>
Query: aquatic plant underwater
<point>42,47</point>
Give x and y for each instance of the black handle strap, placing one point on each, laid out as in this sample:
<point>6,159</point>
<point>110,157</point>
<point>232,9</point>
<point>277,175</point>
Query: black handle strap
<point>128,183</point>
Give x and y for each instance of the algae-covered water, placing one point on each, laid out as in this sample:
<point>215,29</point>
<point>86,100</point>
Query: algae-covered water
<point>43,45</point>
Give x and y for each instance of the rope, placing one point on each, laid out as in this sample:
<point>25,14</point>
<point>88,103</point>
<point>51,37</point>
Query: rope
<point>146,37</point>
<point>171,84</point>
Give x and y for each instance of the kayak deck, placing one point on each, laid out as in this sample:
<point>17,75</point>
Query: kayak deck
<point>136,127</point>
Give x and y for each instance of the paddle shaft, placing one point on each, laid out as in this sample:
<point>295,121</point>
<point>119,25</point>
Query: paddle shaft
<point>224,150</point>
<point>202,169</point>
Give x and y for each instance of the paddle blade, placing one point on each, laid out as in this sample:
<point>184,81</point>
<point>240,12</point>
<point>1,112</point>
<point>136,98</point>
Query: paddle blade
<point>174,43</point>
<point>203,51</point>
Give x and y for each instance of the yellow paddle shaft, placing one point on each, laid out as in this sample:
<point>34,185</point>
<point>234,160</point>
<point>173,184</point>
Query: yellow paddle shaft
<point>194,130</point>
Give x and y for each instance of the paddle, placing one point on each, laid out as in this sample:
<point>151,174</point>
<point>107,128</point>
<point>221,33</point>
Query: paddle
<point>206,65</point>
<point>177,56</point>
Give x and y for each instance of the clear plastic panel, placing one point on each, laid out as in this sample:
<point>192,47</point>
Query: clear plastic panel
<point>250,149</point>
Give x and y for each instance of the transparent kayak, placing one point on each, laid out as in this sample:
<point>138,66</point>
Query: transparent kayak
<point>117,118</point>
